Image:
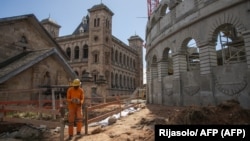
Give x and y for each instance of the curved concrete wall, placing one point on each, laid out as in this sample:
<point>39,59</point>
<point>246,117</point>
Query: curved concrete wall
<point>170,27</point>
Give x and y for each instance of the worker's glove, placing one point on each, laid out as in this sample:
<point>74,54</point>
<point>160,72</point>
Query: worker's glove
<point>75,100</point>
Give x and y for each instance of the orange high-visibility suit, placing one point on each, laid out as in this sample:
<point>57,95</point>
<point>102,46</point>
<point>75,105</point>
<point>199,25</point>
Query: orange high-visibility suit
<point>75,109</point>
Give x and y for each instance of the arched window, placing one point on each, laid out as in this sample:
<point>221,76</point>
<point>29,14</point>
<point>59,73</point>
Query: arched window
<point>134,85</point>
<point>124,81</point>
<point>98,21</point>
<point>68,52</point>
<point>112,80</point>
<point>127,82</point>
<point>131,83</point>
<point>193,60</point>
<point>107,54</point>
<point>95,75</point>
<point>107,23</point>
<point>130,64</point>
<point>85,51</point>
<point>77,73</point>
<point>124,59</point>
<point>107,76</point>
<point>23,40</point>
<point>47,79</point>
<point>120,60</point>
<point>134,64</point>
<point>96,58</point>
<point>127,61</point>
<point>116,56</point>
<point>77,52</point>
<point>230,46</point>
<point>164,10</point>
<point>121,81</point>
<point>112,55</point>
<point>83,72</point>
<point>116,80</point>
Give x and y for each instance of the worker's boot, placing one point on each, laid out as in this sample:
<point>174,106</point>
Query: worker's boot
<point>78,135</point>
<point>70,137</point>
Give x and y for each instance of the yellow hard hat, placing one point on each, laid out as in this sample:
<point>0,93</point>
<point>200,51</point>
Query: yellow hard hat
<point>76,82</point>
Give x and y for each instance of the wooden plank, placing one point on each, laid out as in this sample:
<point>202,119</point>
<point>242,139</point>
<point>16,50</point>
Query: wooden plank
<point>103,105</point>
<point>19,102</point>
<point>9,91</point>
<point>49,124</point>
<point>31,109</point>
<point>130,106</point>
<point>1,113</point>
<point>103,116</point>
<point>30,102</point>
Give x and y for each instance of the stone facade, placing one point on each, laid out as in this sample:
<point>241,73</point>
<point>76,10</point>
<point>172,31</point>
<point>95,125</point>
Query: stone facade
<point>219,68</point>
<point>106,65</point>
<point>29,58</point>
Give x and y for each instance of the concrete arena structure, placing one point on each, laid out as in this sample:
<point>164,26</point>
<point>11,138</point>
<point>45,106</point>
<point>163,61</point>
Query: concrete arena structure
<point>215,68</point>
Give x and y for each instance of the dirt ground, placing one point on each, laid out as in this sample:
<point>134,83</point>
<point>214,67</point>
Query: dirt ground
<point>139,126</point>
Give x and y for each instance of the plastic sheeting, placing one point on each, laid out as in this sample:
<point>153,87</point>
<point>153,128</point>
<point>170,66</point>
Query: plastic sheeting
<point>117,116</point>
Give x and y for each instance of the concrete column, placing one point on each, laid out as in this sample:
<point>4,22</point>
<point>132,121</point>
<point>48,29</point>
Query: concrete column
<point>154,74</point>
<point>148,96</point>
<point>179,66</point>
<point>162,69</point>
<point>246,36</point>
<point>208,60</point>
<point>179,63</point>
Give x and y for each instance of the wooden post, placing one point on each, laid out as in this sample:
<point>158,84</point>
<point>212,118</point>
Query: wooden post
<point>62,122</point>
<point>39,103</point>
<point>138,96</point>
<point>60,100</point>
<point>62,126</point>
<point>2,114</point>
<point>105,98</point>
<point>86,119</point>
<point>53,102</point>
<point>120,106</point>
<point>39,99</point>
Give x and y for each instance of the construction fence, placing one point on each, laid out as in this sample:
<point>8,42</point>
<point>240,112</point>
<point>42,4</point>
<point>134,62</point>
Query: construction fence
<point>51,110</point>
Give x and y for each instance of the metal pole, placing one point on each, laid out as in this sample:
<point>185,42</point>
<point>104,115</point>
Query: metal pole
<point>39,103</point>
<point>53,102</point>
<point>39,99</point>
<point>86,119</point>
<point>60,99</point>
<point>62,129</point>
<point>2,113</point>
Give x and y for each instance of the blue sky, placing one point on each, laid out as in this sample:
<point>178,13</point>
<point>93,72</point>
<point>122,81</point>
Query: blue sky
<point>129,15</point>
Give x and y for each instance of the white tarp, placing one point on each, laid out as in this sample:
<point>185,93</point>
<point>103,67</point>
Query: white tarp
<point>117,116</point>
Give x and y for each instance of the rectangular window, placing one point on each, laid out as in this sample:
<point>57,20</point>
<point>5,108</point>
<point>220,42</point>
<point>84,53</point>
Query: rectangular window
<point>98,22</point>
<point>95,77</point>
<point>95,58</point>
<point>94,22</point>
<point>85,53</point>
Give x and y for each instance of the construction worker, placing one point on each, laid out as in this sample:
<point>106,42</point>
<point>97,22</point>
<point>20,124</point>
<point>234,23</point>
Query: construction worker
<point>75,98</point>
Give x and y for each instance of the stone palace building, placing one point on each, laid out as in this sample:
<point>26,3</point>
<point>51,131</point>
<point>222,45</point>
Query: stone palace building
<point>105,64</point>
<point>198,52</point>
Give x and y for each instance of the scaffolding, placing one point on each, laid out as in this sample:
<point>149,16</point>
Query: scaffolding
<point>152,5</point>
<point>232,47</point>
